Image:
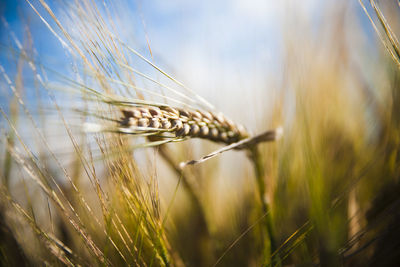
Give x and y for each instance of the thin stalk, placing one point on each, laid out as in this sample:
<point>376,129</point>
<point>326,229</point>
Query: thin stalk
<point>258,164</point>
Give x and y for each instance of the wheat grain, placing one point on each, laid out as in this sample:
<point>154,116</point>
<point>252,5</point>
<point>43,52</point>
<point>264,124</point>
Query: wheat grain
<point>180,122</point>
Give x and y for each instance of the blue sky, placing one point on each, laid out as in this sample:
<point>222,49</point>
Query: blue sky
<point>217,48</point>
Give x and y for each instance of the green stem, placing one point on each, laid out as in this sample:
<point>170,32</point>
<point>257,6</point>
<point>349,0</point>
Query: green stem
<point>258,164</point>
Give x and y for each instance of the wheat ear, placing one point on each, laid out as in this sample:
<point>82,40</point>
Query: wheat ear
<point>178,122</point>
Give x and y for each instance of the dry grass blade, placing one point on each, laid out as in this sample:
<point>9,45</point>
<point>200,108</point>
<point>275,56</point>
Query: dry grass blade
<point>292,241</point>
<point>52,195</point>
<point>201,99</point>
<point>394,48</point>
<point>54,245</point>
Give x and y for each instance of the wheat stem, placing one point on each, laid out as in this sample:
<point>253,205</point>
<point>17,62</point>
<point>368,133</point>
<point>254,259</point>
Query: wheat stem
<point>258,164</point>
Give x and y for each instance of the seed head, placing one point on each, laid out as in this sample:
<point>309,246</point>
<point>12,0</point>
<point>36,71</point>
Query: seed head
<point>184,123</point>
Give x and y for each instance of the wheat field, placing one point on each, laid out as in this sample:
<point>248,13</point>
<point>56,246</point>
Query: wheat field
<point>122,144</point>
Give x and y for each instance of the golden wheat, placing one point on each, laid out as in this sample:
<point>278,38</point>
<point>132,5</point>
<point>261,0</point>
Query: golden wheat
<point>178,122</point>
